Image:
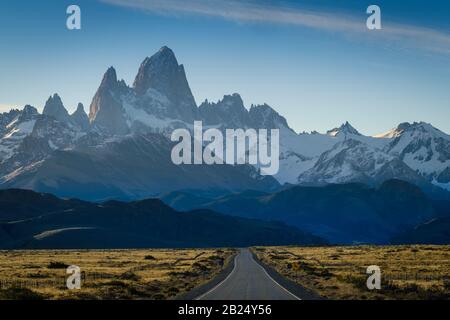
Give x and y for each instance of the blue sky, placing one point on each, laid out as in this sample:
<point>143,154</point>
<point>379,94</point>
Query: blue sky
<point>312,61</point>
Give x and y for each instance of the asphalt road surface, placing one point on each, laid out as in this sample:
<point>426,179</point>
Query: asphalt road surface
<point>248,281</point>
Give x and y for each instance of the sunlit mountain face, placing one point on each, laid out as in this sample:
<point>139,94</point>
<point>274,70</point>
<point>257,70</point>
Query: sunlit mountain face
<point>122,149</point>
<point>255,150</point>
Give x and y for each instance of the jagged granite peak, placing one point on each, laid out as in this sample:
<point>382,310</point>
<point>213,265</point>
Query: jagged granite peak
<point>229,112</point>
<point>161,101</point>
<point>80,117</point>
<point>161,64</point>
<point>344,129</point>
<point>80,109</point>
<point>28,112</point>
<point>9,120</point>
<point>233,101</point>
<point>109,79</point>
<point>111,82</point>
<point>264,116</point>
<point>106,112</point>
<point>15,126</point>
<point>10,114</point>
<point>160,77</point>
<point>6,118</point>
<point>54,107</point>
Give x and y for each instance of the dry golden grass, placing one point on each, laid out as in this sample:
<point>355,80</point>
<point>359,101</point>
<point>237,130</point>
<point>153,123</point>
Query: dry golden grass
<point>108,274</point>
<point>408,272</point>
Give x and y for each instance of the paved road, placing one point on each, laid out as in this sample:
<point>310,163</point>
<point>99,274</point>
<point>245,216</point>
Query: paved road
<point>248,281</point>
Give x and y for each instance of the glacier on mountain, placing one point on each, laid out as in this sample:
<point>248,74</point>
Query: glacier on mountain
<point>160,101</point>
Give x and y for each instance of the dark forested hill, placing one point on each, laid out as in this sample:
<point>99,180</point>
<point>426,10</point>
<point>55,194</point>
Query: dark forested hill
<point>33,220</point>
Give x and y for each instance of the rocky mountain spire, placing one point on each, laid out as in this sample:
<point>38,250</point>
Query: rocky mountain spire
<point>109,79</point>
<point>55,108</point>
<point>106,110</point>
<point>80,117</point>
<point>263,116</point>
<point>29,110</point>
<point>229,112</point>
<point>156,71</point>
<point>162,76</point>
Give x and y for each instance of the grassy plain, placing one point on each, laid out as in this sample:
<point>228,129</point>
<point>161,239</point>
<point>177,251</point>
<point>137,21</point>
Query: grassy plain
<point>108,274</point>
<point>407,272</point>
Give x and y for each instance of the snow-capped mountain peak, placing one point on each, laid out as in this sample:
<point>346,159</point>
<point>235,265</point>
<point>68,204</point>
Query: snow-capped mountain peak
<point>348,161</point>
<point>425,129</point>
<point>140,117</point>
<point>396,132</point>
<point>425,149</point>
<point>416,128</point>
<point>344,130</point>
<point>15,126</point>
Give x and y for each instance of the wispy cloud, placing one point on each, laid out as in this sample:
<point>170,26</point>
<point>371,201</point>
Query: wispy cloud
<point>402,35</point>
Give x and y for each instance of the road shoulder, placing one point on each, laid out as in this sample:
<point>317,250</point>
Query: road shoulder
<point>291,286</point>
<point>204,288</point>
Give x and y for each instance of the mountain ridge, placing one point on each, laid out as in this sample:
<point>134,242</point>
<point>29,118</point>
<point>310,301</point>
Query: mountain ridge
<point>41,221</point>
<point>351,213</point>
<point>160,100</point>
